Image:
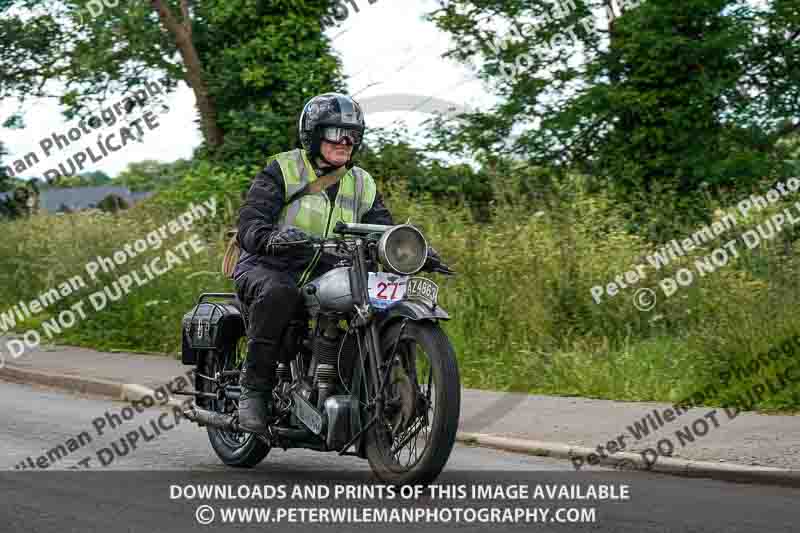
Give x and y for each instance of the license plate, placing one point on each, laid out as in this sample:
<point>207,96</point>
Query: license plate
<point>422,289</point>
<point>307,414</point>
<point>386,288</point>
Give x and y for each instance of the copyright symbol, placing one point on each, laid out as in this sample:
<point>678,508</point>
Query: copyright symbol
<point>204,515</point>
<point>644,299</point>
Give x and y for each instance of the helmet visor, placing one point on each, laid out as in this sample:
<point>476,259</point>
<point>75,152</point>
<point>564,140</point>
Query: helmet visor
<point>337,135</point>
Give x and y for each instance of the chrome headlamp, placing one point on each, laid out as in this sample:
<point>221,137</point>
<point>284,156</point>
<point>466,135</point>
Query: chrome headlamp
<point>403,250</point>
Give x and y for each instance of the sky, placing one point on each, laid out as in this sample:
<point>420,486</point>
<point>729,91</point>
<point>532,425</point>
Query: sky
<point>392,59</point>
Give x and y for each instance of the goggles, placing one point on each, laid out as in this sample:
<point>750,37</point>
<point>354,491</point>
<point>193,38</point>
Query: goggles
<point>338,135</point>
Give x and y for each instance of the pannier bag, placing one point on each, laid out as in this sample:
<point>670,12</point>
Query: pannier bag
<point>209,326</point>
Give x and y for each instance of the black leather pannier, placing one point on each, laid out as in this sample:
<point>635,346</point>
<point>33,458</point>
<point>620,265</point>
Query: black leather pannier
<point>211,325</point>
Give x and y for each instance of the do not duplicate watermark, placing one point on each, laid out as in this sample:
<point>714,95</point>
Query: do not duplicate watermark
<point>114,419</point>
<point>117,113</point>
<point>645,298</point>
<point>770,371</point>
<point>120,286</point>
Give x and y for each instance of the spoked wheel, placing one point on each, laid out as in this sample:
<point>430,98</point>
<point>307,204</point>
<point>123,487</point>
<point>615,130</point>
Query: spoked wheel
<point>413,441</point>
<point>238,449</point>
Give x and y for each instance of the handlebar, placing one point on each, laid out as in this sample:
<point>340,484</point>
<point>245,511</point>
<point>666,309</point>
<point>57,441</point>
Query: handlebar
<point>314,243</point>
<point>355,230</point>
<point>345,228</point>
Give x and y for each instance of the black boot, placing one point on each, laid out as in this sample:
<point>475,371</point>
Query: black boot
<point>257,380</point>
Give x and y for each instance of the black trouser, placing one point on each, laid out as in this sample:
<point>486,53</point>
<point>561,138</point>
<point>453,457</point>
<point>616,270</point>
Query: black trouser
<point>272,300</point>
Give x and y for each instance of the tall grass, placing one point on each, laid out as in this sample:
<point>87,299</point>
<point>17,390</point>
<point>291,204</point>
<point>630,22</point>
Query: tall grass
<point>523,315</point>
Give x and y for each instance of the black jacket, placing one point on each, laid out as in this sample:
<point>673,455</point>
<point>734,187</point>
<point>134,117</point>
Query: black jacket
<point>259,217</point>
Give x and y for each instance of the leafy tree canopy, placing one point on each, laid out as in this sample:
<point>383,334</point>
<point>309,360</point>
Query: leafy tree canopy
<point>152,175</point>
<point>87,179</point>
<point>654,96</point>
<point>251,65</point>
<point>4,179</point>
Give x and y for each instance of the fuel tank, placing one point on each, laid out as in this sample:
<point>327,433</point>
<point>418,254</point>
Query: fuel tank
<point>330,292</point>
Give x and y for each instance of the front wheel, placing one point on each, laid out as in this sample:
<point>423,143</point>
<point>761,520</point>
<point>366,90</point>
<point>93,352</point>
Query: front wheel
<point>413,440</point>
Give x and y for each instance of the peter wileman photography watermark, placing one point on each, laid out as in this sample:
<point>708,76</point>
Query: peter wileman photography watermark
<point>340,12</point>
<point>121,286</point>
<point>310,503</point>
<point>645,298</point>
<point>113,419</point>
<point>561,9</point>
<point>778,366</point>
<point>105,144</point>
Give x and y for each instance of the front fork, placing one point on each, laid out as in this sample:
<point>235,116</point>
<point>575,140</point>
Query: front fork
<point>366,322</point>
<point>367,325</point>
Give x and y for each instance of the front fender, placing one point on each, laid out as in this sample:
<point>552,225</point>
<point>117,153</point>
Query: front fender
<point>412,310</point>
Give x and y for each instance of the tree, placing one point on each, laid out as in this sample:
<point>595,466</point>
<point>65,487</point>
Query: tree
<point>666,97</point>
<point>250,64</point>
<point>112,203</point>
<point>98,178</point>
<point>390,158</point>
<point>151,175</point>
<point>4,178</point>
<point>86,179</point>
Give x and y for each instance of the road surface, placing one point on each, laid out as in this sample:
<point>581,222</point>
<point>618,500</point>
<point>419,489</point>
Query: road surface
<point>49,433</point>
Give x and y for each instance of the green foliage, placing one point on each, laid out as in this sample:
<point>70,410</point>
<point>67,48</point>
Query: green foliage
<point>264,60</point>
<point>13,183</point>
<point>391,159</point>
<point>112,203</point>
<point>524,318</point>
<point>260,61</point>
<point>150,175</point>
<point>205,180</point>
<point>118,49</point>
<point>674,99</point>
<point>4,179</point>
<point>600,150</point>
<point>96,178</point>
<point>149,316</point>
<point>86,179</point>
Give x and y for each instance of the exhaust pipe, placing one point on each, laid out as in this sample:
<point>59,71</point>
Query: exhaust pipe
<point>209,418</point>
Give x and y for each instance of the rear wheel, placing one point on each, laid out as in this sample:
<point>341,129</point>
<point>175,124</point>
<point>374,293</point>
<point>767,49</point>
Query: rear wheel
<point>413,440</point>
<point>239,449</point>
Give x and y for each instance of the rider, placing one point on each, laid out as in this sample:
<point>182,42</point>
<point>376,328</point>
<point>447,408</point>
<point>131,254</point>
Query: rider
<point>300,193</point>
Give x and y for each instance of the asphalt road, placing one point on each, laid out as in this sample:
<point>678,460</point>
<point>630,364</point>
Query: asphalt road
<point>132,491</point>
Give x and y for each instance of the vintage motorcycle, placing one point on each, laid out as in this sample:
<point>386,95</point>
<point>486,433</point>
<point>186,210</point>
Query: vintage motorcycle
<point>367,372</point>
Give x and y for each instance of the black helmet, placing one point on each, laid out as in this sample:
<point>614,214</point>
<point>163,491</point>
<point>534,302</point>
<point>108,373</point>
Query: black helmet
<point>330,110</point>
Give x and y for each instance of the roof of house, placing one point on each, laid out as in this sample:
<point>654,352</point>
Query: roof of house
<point>52,199</point>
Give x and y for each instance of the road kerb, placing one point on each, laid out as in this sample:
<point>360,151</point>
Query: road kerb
<point>634,461</point>
<point>69,382</point>
<point>620,460</point>
<point>133,392</point>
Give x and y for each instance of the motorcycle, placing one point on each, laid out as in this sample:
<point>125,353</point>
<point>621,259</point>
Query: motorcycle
<point>366,372</point>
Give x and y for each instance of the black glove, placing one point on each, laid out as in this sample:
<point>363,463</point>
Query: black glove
<point>434,263</point>
<point>280,240</point>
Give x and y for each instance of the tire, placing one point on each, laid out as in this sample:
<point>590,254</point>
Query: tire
<point>443,369</point>
<point>241,450</point>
